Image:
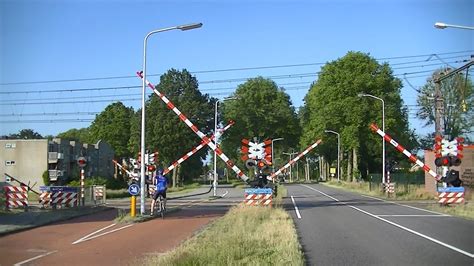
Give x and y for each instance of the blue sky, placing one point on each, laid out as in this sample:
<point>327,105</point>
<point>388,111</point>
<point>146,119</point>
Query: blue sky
<point>70,40</point>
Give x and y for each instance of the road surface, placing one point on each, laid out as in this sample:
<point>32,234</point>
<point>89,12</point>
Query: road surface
<point>341,228</point>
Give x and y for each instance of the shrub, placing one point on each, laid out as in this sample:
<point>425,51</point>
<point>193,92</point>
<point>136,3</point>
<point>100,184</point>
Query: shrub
<point>46,180</point>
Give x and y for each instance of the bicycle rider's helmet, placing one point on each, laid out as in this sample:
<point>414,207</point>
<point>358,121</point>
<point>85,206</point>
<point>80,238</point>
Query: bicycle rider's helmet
<point>159,171</point>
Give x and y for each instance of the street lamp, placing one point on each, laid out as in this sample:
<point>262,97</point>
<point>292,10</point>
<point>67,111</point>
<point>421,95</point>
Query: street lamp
<point>291,165</point>
<point>216,136</point>
<point>441,25</point>
<point>273,164</point>
<point>142,146</point>
<point>383,129</point>
<point>338,151</point>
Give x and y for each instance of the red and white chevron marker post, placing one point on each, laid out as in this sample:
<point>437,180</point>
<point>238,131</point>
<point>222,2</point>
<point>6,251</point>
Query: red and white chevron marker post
<point>401,149</point>
<point>193,151</point>
<point>208,142</point>
<point>294,160</point>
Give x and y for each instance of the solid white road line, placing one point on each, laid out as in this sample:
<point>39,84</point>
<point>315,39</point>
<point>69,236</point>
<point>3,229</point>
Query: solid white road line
<point>296,208</point>
<point>35,258</point>
<point>99,235</point>
<point>408,206</point>
<point>93,233</point>
<point>397,225</point>
<point>409,215</point>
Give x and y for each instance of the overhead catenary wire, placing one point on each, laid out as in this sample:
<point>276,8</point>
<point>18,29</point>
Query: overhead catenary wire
<point>227,69</point>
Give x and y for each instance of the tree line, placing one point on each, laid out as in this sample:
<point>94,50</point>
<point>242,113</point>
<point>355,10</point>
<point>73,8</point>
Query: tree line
<point>262,110</point>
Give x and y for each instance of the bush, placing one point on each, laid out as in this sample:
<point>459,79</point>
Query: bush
<point>46,180</point>
<point>110,183</point>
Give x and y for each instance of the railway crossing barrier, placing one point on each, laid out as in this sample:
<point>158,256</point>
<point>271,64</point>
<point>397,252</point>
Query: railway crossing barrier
<point>55,196</point>
<point>450,195</point>
<point>99,194</point>
<point>258,197</point>
<point>16,197</point>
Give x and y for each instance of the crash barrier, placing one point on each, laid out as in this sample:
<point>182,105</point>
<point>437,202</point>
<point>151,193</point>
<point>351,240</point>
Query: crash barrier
<point>258,197</point>
<point>16,197</point>
<point>99,194</point>
<point>450,195</point>
<point>58,196</point>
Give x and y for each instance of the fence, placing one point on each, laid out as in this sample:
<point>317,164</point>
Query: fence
<point>404,182</point>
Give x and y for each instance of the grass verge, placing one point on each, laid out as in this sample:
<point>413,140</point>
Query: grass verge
<point>465,210</point>
<point>244,236</point>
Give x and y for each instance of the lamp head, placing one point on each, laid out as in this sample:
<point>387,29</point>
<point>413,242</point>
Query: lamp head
<point>190,26</point>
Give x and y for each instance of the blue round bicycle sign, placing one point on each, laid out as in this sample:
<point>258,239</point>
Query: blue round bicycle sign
<point>134,189</point>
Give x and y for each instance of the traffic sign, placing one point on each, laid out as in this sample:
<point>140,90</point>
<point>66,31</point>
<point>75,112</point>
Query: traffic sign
<point>134,189</point>
<point>81,161</point>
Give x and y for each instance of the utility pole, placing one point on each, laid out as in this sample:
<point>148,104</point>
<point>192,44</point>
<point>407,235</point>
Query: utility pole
<point>439,100</point>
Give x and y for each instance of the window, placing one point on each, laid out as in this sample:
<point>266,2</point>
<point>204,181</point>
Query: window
<point>9,163</point>
<point>10,145</point>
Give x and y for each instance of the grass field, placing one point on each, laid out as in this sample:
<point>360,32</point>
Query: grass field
<point>244,236</point>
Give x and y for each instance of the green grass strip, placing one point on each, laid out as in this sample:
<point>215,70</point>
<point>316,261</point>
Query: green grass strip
<point>244,236</point>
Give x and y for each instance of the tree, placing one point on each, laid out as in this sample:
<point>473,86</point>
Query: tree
<point>332,103</point>
<point>458,96</point>
<point>26,134</point>
<point>81,135</point>
<point>261,110</point>
<point>166,133</point>
<point>113,126</point>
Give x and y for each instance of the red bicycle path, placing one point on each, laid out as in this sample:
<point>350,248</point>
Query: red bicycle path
<point>122,247</point>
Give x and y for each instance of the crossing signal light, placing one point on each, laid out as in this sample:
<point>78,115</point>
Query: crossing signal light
<point>151,168</point>
<point>448,161</point>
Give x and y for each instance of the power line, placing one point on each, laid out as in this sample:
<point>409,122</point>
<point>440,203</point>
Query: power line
<point>50,114</point>
<point>221,70</point>
<point>79,120</point>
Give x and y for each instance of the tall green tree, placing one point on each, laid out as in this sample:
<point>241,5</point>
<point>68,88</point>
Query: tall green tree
<point>113,126</point>
<point>81,135</point>
<point>332,103</point>
<point>26,134</point>
<point>261,110</point>
<point>458,96</point>
<point>166,133</point>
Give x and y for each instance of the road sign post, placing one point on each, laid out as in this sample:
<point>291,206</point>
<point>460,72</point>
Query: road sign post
<point>134,190</point>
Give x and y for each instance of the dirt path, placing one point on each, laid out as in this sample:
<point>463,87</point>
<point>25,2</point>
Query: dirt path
<point>52,244</point>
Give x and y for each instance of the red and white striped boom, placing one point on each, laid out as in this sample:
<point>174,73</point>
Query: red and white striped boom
<point>183,118</point>
<point>193,151</point>
<point>401,149</point>
<point>133,175</point>
<point>294,160</point>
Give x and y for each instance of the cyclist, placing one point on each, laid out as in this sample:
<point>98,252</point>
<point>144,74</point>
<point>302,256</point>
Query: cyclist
<point>161,185</point>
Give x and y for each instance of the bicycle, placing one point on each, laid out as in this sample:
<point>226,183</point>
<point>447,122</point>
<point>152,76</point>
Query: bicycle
<point>160,205</point>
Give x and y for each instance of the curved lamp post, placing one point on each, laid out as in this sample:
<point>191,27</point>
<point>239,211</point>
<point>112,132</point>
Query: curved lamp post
<point>142,146</point>
<point>216,137</point>
<point>383,129</point>
<point>441,25</point>
<point>273,164</point>
<point>338,151</point>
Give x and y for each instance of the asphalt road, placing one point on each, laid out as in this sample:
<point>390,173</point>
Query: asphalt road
<point>96,240</point>
<point>341,228</point>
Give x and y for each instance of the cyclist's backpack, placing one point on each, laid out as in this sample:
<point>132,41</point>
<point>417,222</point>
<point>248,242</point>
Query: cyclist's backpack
<point>161,184</point>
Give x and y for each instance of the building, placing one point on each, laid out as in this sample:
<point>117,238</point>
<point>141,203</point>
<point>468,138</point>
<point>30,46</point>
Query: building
<point>27,159</point>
